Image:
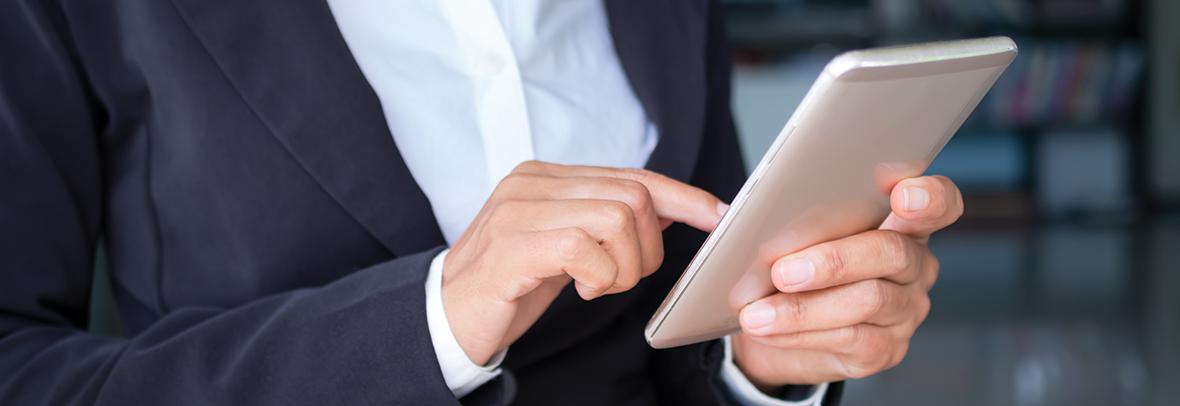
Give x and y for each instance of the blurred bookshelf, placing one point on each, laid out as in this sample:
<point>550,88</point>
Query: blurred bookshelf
<point>1062,271</point>
<point>1059,138</point>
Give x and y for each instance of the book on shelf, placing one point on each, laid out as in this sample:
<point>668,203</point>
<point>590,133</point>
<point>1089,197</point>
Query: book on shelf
<point>1066,83</point>
<point>1002,13</point>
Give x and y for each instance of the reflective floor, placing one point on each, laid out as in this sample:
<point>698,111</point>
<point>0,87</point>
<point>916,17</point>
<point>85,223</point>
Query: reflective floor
<point>1047,315</point>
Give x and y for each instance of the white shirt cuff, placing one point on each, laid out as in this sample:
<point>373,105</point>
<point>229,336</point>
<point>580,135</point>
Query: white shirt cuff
<point>747,394</point>
<point>461,374</point>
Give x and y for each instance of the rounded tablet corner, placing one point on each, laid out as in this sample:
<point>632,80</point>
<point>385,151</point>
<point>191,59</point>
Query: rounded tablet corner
<point>649,334</point>
<point>1010,43</point>
<point>657,344</point>
<point>843,63</point>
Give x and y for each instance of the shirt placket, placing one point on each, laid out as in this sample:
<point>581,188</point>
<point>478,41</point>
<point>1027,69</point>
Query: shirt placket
<point>502,113</point>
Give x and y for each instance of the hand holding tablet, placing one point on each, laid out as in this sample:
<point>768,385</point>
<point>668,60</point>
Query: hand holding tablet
<point>872,119</point>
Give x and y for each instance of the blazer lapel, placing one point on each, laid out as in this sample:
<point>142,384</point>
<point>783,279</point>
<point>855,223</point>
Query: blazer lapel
<point>661,45</point>
<point>291,65</point>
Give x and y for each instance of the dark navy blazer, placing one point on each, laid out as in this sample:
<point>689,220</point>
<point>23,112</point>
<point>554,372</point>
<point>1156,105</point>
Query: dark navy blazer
<point>267,242</point>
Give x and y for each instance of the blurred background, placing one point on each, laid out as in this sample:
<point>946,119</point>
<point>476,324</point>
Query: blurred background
<point>1061,285</point>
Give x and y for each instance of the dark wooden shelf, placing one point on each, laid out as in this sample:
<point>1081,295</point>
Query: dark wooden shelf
<point>771,27</point>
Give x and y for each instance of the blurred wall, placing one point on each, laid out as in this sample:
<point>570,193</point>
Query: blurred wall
<point>1164,98</point>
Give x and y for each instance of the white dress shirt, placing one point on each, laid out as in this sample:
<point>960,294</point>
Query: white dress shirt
<point>471,88</point>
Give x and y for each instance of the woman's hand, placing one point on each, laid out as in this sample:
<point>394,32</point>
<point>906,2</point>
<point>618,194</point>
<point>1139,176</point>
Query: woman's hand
<point>547,224</point>
<point>847,308</point>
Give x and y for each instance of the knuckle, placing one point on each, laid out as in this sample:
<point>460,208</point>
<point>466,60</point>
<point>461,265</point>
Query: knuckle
<point>853,371</point>
<point>604,277</point>
<point>512,181</point>
<point>617,214</point>
<point>876,296</point>
<point>873,355</point>
<point>898,355</point>
<point>858,370</point>
<point>834,264</point>
<point>923,307</point>
<point>852,336</point>
<point>932,265</point>
<point>636,174</point>
<point>571,243</point>
<point>530,166</point>
<point>896,250</point>
<point>657,259</point>
<point>872,365</point>
<point>794,307</point>
<point>858,373</point>
<point>502,211</point>
<point>786,341</point>
<point>931,277</point>
<point>636,195</point>
<point>628,281</point>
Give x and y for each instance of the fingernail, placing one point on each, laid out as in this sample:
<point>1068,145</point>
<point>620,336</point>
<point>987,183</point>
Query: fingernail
<point>915,198</point>
<point>795,271</point>
<point>722,208</point>
<point>757,315</point>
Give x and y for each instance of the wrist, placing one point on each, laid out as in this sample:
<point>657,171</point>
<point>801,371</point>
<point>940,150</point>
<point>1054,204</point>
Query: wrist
<point>456,306</point>
<point>461,374</point>
<point>772,389</point>
<point>463,316</point>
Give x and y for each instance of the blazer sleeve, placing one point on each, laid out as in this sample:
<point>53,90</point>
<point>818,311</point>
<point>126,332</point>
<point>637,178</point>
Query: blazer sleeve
<point>360,340</point>
<point>690,375</point>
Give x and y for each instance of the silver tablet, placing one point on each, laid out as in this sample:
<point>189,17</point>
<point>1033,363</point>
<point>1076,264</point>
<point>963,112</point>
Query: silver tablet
<point>872,118</point>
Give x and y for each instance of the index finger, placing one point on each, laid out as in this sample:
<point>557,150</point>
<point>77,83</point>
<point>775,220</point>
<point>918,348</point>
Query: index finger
<point>673,200</point>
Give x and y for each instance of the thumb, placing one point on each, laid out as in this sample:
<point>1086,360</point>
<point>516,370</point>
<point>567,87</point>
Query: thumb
<point>920,206</point>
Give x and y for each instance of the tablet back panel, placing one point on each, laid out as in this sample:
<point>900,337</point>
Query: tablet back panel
<point>872,118</point>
